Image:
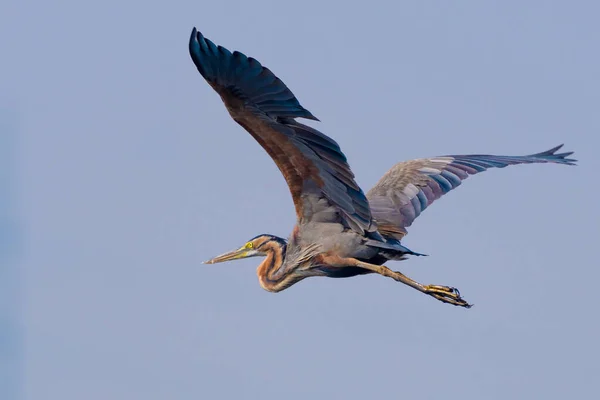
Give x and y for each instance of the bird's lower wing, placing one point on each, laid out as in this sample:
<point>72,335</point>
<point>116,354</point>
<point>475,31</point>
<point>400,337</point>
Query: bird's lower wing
<point>410,187</point>
<point>320,180</point>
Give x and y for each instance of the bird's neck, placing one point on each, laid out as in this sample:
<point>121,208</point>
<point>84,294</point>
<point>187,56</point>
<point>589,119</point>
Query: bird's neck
<point>272,275</point>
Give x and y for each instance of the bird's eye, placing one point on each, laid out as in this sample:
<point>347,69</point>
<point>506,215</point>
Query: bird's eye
<point>249,245</point>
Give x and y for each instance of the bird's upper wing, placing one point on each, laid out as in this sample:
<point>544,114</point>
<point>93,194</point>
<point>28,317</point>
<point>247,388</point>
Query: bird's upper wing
<point>320,180</point>
<point>410,187</point>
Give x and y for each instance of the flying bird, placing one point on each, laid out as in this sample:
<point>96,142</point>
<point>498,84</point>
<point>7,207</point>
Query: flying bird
<point>340,232</point>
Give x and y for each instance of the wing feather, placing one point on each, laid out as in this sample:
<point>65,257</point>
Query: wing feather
<point>408,188</point>
<point>313,165</point>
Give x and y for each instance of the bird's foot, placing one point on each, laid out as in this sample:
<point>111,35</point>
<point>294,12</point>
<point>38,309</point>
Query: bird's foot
<point>447,295</point>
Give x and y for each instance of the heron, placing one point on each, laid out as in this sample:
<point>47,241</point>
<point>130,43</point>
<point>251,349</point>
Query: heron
<point>340,232</point>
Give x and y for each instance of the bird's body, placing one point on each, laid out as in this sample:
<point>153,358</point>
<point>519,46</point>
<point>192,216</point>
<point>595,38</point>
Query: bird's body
<point>340,231</point>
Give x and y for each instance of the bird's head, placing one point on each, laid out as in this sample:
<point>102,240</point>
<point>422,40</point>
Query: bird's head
<point>257,246</point>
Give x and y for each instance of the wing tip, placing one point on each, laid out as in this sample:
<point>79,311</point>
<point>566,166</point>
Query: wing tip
<point>551,155</point>
<point>197,41</point>
<point>215,64</point>
<point>195,36</point>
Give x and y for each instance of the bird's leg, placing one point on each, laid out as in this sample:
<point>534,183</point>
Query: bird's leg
<point>443,293</point>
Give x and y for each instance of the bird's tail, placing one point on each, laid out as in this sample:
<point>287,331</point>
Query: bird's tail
<point>245,78</point>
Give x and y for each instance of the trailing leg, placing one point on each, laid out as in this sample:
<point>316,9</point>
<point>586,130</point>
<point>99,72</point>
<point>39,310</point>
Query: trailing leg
<point>445,294</point>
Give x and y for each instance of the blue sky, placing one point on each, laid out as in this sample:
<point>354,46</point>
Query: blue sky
<point>128,172</point>
<point>11,328</point>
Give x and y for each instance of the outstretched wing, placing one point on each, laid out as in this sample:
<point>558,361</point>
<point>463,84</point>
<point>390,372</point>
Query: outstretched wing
<point>320,180</point>
<point>410,187</point>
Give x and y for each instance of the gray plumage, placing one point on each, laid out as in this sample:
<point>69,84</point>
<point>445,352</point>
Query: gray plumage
<point>340,231</point>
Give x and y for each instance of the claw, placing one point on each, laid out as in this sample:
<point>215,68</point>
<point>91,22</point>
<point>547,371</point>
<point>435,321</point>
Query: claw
<point>447,294</point>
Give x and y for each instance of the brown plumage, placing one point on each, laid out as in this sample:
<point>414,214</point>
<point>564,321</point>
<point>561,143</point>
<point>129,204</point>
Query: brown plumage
<point>340,232</point>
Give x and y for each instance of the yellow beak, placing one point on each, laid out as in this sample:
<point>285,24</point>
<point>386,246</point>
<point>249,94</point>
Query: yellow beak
<point>238,254</point>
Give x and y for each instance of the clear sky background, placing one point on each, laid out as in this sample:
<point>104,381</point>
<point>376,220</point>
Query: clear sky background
<point>128,172</point>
